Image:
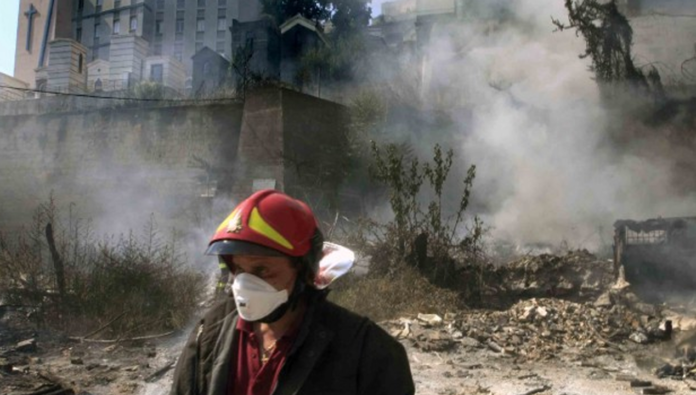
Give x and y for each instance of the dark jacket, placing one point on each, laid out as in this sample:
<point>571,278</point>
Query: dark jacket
<point>336,353</point>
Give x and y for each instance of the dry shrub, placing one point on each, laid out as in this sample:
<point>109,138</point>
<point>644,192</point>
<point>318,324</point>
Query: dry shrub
<point>408,292</point>
<point>141,283</point>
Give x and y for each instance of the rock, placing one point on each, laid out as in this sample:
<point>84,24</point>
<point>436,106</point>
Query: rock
<point>604,300</point>
<point>640,383</point>
<point>541,312</point>
<point>528,314</point>
<point>431,319</point>
<point>5,366</point>
<point>26,346</point>
<point>639,337</point>
<point>470,342</point>
<point>494,346</point>
<point>657,390</point>
<point>668,370</point>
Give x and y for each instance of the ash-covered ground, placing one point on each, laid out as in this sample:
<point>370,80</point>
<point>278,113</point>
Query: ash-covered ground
<point>561,325</point>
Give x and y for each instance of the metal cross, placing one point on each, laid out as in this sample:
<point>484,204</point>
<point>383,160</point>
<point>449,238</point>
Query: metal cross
<point>30,15</point>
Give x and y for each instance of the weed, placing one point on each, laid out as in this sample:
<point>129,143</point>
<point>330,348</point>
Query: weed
<point>79,283</point>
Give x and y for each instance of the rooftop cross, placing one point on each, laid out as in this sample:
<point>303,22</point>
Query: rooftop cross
<point>30,28</point>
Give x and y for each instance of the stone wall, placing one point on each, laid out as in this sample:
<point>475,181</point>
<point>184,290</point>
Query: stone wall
<point>118,165</point>
<point>7,94</point>
<point>120,162</point>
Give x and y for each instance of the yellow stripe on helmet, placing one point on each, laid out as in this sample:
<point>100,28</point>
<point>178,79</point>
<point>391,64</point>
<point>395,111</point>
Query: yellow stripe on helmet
<point>258,224</point>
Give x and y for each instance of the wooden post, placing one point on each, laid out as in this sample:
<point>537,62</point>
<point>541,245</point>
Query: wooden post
<point>57,262</point>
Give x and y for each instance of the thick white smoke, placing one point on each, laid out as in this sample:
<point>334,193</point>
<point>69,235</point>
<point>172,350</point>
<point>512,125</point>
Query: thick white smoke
<point>535,126</point>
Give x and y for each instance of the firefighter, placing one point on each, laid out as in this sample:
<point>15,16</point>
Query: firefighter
<point>277,333</point>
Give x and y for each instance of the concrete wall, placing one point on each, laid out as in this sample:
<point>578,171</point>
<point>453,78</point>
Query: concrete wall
<point>117,165</point>
<point>120,163</point>
<point>12,94</point>
<point>664,41</point>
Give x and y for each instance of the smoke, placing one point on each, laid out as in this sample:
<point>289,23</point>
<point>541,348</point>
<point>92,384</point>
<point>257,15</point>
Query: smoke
<point>131,200</point>
<point>528,113</point>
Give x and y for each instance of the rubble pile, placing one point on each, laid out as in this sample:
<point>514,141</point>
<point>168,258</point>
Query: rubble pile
<point>536,329</point>
<point>578,275</point>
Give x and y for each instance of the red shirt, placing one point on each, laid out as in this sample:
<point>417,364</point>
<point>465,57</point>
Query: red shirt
<point>250,376</point>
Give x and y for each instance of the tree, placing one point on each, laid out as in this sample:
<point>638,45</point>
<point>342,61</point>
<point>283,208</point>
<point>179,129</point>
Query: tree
<point>241,65</point>
<point>609,38</point>
<point>346,16</point>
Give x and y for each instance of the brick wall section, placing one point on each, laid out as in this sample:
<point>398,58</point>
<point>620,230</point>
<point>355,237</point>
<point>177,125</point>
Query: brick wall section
<point>314,147</point>
<point>261,141</point>
<point>290,137</point>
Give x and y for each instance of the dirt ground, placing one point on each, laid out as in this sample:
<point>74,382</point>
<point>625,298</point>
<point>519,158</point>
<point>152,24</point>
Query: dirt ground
<point>535,345</point>
<point>469,367</point>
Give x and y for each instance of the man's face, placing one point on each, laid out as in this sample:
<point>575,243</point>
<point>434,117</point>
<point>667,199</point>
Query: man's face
<point>279,272</point>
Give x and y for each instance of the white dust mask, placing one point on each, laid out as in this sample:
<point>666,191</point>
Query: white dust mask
<point>256,298</point>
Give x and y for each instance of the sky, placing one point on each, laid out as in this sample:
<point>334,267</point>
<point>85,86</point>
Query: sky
<point>9,10</point>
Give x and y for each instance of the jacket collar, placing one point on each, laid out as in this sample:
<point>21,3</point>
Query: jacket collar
<point>311,342</point>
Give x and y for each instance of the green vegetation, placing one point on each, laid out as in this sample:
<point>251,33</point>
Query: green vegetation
<point>346,16</point>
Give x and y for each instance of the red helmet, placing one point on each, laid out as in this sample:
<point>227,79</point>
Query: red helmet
<point>268,223</point>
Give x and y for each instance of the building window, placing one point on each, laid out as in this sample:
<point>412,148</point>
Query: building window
<point>117,26</point>
<point>201,3</point>
<point>158,49</point>
<point>117,3</point>
<point>178,56</point>
<point>159,27</point>
<point>220,47</point>
<point>179,26</point>
<point>96,30</point>
<point>222,23</point>
<point>200,25</point>
<point>98,85</point>
<point>222,2</point>
<point>80,61</point>
<point>78,34</point>
<point>99,5</point>
<point>199,46</point>
<point>81,5</point>
<point>180,3</point>
<point>160,4</point>
<point>156,73</point>
<point>133,23</point>
<point>222,12</point>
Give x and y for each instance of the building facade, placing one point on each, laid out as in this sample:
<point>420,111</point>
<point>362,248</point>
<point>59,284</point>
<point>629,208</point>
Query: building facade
<point>39,23</point>
<point>174,28</point>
